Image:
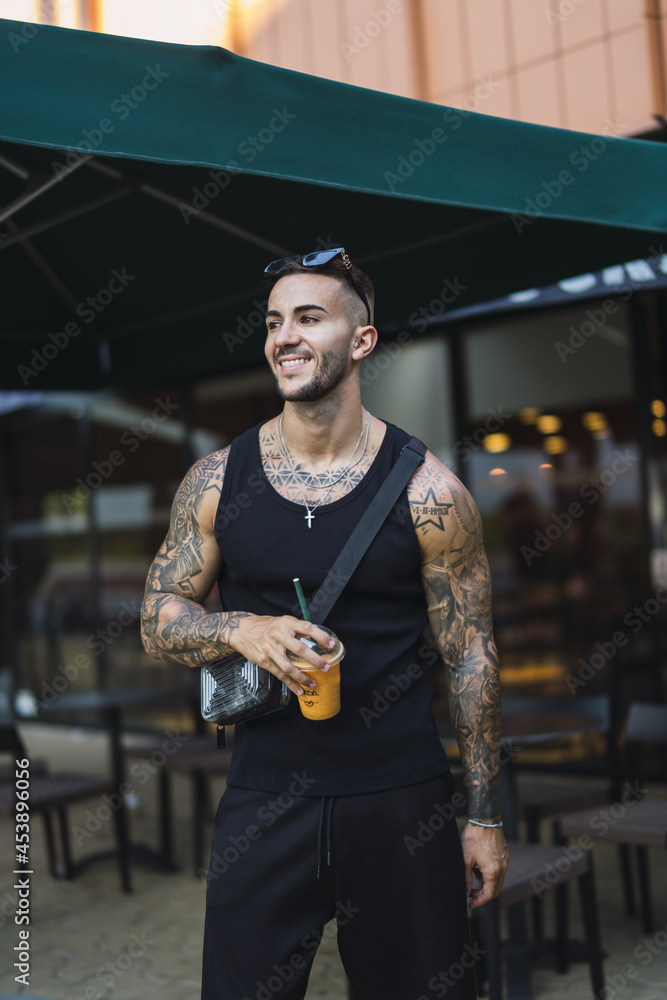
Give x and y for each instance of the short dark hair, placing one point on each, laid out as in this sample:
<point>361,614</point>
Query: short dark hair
<point>333,269</point>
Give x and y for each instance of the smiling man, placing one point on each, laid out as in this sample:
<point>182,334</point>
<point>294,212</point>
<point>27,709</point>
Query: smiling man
<point>369,835</point>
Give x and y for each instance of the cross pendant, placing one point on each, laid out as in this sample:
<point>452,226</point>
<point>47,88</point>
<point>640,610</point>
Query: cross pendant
<point>310,517</point>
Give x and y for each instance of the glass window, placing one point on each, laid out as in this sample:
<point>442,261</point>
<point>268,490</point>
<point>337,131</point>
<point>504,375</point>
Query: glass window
<point>552,458</point>
<point>408,384</point>
<point>92,480</point>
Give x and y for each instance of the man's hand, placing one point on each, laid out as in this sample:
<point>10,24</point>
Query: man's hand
<point>264,640</point>
<point>485,853</point>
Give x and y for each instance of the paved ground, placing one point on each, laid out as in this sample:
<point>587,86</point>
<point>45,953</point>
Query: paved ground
<point>88,940</point>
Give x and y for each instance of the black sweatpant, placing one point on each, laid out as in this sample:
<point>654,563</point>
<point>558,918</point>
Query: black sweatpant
<point>390,872</point>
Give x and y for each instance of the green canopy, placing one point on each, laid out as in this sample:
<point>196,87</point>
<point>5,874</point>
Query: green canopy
<point>145,185</point>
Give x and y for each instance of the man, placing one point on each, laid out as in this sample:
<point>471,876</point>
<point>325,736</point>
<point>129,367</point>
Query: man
<point>348,817</point>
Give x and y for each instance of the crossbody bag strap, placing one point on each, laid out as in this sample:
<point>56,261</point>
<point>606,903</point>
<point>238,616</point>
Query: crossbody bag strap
<point>412,455</point>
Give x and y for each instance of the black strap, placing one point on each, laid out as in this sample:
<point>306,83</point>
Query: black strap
<point>411,456</point>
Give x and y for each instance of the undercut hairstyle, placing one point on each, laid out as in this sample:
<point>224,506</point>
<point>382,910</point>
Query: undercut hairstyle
<point>354,306</point>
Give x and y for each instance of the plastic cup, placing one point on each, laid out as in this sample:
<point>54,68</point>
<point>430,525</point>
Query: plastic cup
<point>323,701</point>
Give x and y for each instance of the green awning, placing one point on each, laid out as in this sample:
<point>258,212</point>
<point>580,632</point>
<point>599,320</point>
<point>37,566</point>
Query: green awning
<point>205,165</point>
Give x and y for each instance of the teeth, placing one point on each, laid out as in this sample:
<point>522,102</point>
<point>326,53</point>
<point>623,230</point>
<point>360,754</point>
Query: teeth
<point>293,364</point>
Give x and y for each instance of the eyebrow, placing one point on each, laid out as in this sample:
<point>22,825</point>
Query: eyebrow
<point>306,308</point>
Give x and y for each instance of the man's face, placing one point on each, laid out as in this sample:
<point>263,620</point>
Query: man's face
<point>309,336</point>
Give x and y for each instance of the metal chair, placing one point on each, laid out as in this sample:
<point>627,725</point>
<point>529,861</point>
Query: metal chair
<point>540,800</point>
<point>534,868</point>
<point>53,793</point>
<point>198,759</point>
<point>632,820</point>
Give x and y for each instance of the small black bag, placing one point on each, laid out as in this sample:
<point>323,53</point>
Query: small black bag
<point>234,689</point>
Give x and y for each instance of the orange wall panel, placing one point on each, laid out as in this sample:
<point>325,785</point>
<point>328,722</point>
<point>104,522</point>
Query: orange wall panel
<point>585,24</point>
<point>494,101</point>
<point>400,75</point>
<point>633,91</point>
<point>624,14</point>
<point>294,38</point>
<point>445,50</point>
<point>534,37</point>
<point>538,94</point>
<point>488,29</point>
<point>365,32</point>
<point>587,95</point>
<point>330,56</point>
<point>259,32</point>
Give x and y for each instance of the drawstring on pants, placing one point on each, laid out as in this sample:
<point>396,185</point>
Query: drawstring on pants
<point>326,803</point>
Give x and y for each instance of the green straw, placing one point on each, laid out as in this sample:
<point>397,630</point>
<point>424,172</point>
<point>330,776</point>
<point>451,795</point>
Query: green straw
<point>302,600</point>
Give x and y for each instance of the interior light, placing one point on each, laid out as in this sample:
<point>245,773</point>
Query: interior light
<point>594,421</point>
<point>498,472</point>
<point>495,443</point>
<point>529,414</point>
<point>555,444</point>
<point>549,423</point>
<point>658,408</point>
<point>546,466</point>
<point>659,428</point>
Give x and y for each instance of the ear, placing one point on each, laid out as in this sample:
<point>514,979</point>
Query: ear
<point>365,339</point>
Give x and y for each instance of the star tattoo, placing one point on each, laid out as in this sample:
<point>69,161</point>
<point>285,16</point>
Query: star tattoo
<point>430,511</point>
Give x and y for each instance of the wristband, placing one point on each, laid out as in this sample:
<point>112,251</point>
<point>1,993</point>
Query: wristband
<point>486,826</point>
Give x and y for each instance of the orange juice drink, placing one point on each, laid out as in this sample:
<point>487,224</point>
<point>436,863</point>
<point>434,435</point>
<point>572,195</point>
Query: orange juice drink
<point>323,701</point>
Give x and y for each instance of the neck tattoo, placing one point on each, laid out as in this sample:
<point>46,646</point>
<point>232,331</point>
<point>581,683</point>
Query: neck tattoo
<point>309,515</point>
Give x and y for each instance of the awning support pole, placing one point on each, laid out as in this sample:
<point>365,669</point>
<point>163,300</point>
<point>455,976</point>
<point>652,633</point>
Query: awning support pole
<point>72,213</point>
<point>212,220</point>
<point>63,291</point>
<point>25,199</point>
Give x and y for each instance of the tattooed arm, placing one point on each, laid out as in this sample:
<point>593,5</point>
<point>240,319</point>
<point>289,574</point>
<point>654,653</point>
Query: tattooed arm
<point>174,624</point>
<point>457,584</point>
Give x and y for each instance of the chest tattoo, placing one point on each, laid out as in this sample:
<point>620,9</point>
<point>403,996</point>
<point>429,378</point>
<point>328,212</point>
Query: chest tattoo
<point>294,484</point>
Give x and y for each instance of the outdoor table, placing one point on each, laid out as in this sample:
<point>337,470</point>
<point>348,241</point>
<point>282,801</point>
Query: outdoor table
<point>110,704</point>
<point>518,731</point>
<point>521,730</point>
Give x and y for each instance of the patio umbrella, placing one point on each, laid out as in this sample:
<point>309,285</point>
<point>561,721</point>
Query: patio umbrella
<point>144,186</point>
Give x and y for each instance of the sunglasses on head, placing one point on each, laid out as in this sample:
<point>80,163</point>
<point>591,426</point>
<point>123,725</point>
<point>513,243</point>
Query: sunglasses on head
<point>317,259</point>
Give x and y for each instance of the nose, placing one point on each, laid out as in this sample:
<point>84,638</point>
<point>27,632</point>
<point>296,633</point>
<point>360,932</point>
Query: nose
<point>288,335</point>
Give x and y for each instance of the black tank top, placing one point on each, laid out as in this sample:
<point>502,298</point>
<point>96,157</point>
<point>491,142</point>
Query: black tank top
<point>384,736</point>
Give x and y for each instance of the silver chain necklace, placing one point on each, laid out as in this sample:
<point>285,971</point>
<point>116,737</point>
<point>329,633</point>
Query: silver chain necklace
<point>309,515</point>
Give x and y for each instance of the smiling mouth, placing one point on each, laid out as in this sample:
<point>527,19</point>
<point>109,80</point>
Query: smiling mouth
<point>293,364</point>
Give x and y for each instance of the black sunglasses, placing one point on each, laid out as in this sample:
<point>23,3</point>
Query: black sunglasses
<point>317,259</point>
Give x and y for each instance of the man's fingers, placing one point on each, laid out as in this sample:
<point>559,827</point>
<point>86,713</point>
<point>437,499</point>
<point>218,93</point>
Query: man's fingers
<point>316,632</point>
<point>294,644</point>
<point>305,652</point>
<point>267,641</point>
<point>291,671</point>
<point>288,672</point>
<point>481,895</point>
<point>323,638</point>
<point>491,884</point>
<point>478,898</point>
<point>289,676</point>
